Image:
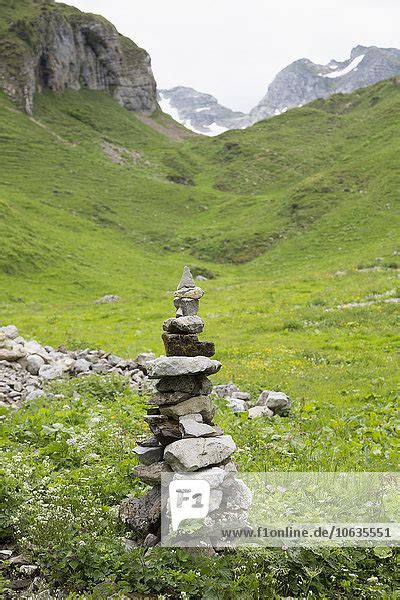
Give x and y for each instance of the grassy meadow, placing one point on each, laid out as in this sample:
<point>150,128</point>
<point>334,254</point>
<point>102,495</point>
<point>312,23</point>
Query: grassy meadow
<point>290,220</point>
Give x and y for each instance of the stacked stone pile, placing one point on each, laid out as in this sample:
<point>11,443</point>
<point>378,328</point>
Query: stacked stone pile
<point>26,366</point>
<point>184,437</point>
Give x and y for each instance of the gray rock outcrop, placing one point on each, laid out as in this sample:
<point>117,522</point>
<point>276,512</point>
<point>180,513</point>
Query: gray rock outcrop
<point>57,47</point>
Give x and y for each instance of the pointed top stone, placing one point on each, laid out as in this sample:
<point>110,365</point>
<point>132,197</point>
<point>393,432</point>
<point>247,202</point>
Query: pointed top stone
<point>186,279</point>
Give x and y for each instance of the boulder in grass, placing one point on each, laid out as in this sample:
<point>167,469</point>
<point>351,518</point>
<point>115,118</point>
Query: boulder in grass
<point>260,411</point>
<point>108,299</point>
<point>236,404</point>
<point>278,402</point>
<point>225,390</point>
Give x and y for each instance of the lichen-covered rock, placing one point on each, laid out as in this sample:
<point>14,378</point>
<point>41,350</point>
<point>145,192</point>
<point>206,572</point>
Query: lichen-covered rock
<point>62,48</point>
<point>194,293</point>
<point>186,345</point>
<point>142,514</point>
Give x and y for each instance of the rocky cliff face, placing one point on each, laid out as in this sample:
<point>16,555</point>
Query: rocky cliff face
<point>57,47</point>
<point>200,112</point>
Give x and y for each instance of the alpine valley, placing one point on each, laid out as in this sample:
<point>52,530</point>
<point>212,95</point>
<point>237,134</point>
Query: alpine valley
<point>290,226</point>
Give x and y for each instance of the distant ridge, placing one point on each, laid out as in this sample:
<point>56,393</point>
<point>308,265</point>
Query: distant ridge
<point>299,83</point>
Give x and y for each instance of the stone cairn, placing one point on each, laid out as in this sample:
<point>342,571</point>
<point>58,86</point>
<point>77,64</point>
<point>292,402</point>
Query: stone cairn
<point>181,420</point>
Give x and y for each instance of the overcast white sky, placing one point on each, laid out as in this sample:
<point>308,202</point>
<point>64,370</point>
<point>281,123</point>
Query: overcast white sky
<point>233,48</point>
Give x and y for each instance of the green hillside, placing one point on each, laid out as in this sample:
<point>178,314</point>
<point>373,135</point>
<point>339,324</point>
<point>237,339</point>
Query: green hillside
<point>289,220</point>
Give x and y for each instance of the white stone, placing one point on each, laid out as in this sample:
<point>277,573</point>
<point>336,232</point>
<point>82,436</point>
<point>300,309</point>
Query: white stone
<point>260,411</point>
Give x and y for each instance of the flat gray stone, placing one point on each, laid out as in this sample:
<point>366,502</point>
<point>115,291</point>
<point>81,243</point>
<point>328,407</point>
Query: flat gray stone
<point>199,404</point>
<point>193,454</point>
<point>148,455</point>
<point>173,366</point>
<point>214,475</point>
<point>191,428</point>
<point>191,325</point>
<point>192,417</point>
<point>241,395</point>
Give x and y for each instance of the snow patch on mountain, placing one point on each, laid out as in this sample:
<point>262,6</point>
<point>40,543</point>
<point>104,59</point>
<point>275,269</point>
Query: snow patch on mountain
<point>351,67</point>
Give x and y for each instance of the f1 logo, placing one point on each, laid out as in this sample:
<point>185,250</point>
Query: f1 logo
<point>188,499</point>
